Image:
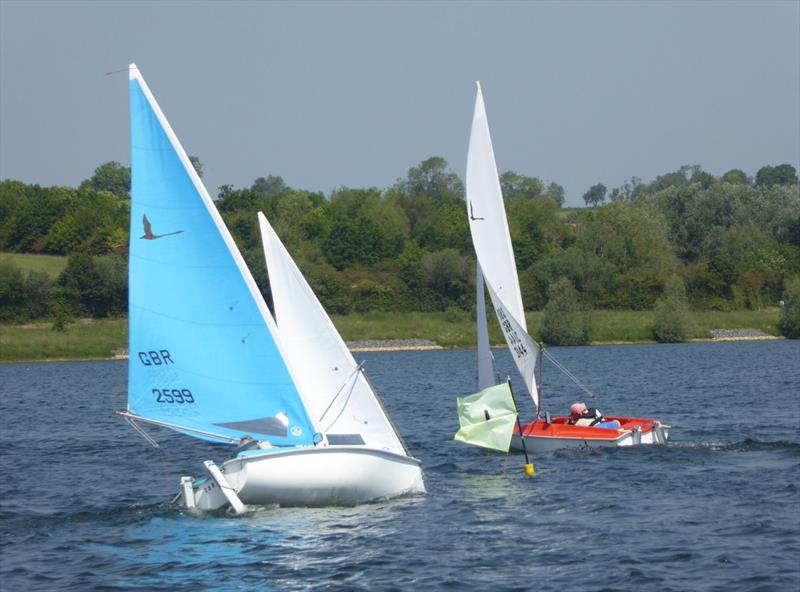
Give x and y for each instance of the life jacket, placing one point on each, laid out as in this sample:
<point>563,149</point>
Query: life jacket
<point>591,417</point>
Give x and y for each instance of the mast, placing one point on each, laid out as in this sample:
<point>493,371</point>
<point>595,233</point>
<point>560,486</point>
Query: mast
<point>486,376</point>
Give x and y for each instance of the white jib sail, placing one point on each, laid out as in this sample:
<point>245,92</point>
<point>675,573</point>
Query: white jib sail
<point>492,241</point>
<point>339,396</point>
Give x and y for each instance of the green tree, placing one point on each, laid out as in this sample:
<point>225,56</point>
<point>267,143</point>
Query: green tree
<point>536,229</point>
<point>111,177</point>
<point>789,322</point>
<point>432,178</point>
<point>627,256</point>
<point>12,292</point>
<point>749,262</point>
<point>556,193</point>
<point>629,191</point>
<point>230,199</point>
<point>270,187</point>
<point>34,211</point>
<point>596,195</point>
<point>447,273</point>
<point>671,313</point>
<point>96,286</point>
<point>563,321</point>
<point>514,185</point>
<point>198,166</point>
<point>735,177</point>
<point>783,174</point>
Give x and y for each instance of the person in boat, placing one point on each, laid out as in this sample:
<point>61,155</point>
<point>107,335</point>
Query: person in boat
<point>247,443</point>
<point>250,443</point>
<point>580,415</point>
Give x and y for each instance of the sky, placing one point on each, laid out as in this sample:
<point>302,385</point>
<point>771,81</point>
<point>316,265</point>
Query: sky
<point>332,94</point>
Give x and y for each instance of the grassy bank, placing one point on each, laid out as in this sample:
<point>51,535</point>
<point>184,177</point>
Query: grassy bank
<point>85,339</point>
<point>52,265</point>
<point>100,338</point>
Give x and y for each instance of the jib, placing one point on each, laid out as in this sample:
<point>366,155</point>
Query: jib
<point>155,358</point>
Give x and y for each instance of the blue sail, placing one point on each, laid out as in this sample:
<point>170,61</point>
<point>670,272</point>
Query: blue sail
<point>203,356</point>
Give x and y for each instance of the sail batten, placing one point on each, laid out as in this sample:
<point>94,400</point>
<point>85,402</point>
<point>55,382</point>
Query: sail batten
<point>203,353</point>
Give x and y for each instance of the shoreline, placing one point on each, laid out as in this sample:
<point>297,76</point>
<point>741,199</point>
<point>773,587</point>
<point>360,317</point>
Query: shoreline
<point>395,345</point>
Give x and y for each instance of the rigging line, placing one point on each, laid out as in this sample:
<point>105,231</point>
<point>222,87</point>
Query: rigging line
<point>386,415</point>
<point>141,432</point>
<point>344,405</point>
<point>178,428</point>
<point>125,69</point>
<point>570,375</point>
<point>339,392</point>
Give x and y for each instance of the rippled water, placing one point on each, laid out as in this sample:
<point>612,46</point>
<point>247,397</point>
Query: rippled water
<point>84,501</point>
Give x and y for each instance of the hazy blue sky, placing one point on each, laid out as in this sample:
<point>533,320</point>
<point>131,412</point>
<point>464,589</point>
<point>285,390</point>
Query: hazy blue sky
<point>354,93</point>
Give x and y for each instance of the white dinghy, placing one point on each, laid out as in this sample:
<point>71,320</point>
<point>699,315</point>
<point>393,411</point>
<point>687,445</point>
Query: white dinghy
<point>207,359</point>
<point>496,266</point>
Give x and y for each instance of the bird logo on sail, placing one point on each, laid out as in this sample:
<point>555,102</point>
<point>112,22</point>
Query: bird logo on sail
<point>148,231</point>
<point>472,214</point>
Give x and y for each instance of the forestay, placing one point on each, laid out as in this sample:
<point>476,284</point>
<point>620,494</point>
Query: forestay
<point>203,354</point>
<point>338,394</point>
<point>492,242</point>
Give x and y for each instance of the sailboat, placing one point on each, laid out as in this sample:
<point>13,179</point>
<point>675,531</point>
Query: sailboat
<point>208,360</point>
<point>497,269</point>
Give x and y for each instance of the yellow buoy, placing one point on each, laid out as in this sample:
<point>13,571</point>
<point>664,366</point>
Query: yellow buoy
<point>529,470</point>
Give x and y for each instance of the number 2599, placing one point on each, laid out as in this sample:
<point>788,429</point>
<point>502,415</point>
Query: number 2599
<point>173,395</point>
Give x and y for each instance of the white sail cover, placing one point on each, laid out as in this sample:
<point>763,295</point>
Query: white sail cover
<point>335,388</point>
<point>492,242</point>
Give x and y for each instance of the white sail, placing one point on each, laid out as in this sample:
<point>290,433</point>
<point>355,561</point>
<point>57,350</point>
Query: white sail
<point>339,396</point>
<point>492,242</point>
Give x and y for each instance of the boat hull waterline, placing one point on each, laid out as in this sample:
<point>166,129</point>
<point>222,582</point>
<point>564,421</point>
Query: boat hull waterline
<point>542,436</point>
<point>335,475</point>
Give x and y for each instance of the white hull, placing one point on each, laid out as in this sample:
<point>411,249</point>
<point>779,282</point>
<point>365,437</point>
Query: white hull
<point>336,475</point>
<point>542,444</point>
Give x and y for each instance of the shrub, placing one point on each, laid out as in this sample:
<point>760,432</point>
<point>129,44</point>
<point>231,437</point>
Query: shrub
<point>789,322</point>
<point>672,313</point>
<point>563,321</point>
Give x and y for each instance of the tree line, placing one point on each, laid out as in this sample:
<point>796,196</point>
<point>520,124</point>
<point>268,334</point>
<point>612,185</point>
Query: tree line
<point>727,242</point>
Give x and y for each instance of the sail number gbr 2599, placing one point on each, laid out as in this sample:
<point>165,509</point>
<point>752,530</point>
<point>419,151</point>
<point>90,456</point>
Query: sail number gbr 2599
<point>163,357</point>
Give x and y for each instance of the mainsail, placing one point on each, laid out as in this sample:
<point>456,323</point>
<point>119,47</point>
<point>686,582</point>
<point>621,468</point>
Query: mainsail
<point>204,358</point>
<point>492,242</point>
<point>338,394</point>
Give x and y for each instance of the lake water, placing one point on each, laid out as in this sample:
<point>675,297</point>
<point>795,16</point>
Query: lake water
<point>84,500</point>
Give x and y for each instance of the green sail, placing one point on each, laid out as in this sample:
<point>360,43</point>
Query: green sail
<point>487,418</point>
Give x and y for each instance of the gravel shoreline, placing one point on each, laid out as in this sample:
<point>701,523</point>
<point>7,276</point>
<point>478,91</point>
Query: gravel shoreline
<point>392,345</point>
<point>377,345</point>
<point>739,335</point>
